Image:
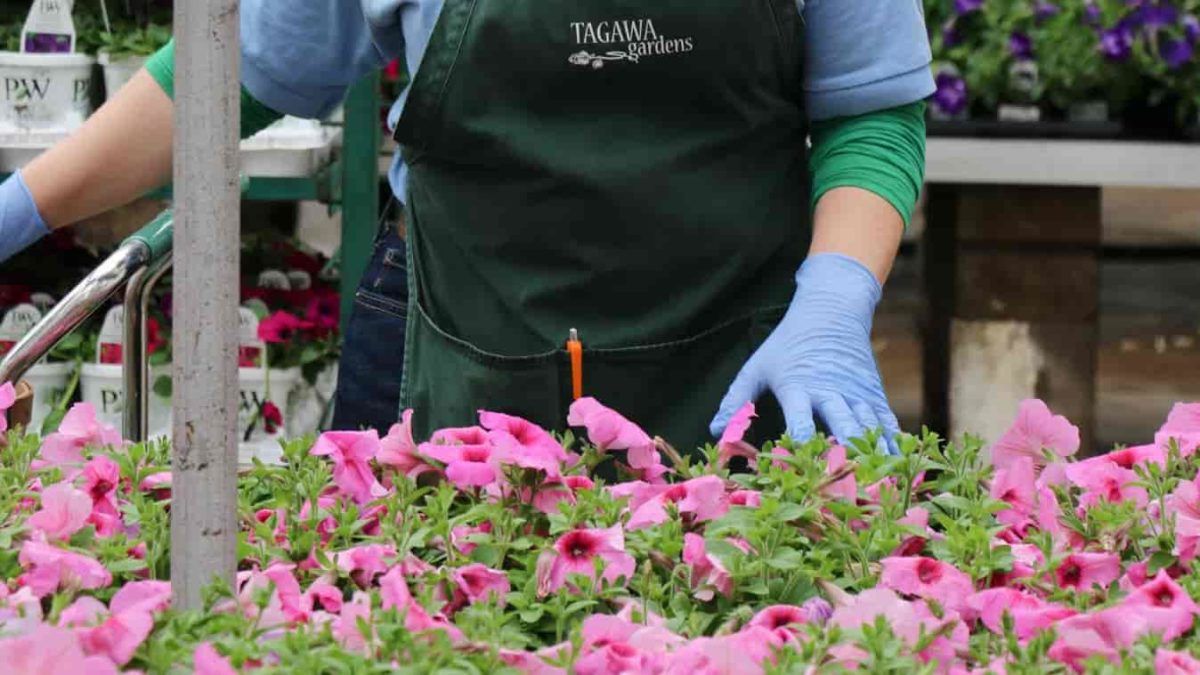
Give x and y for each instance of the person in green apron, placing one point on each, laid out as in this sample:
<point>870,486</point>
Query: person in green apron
<point>609,198</point>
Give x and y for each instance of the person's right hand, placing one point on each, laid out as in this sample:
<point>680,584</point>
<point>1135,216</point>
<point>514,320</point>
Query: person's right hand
<point>20,223</point>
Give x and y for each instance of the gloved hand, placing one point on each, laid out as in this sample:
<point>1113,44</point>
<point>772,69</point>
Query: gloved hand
<point>819,358</point>
<point>20,223</point>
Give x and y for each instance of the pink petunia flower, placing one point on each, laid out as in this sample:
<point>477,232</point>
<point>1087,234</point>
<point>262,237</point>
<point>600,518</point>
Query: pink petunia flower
<point>563,489</point>
<point>478,583</point>
<point>281,327</point>
<point>927,578</point>
<point>524,444</point>
<point>781,620</point>
<point>732,443</point>
<point>51,568</point>
<point>1167,662</point>
<point>206,660</point>
<point>8,398</point>
<point>79,429</point>
<point>48,650</point>
<point>1187,537</point>
<point>395,595</point>
<point>144,596</point>
<point>1030,614</point>
<point>1163,604</point>
<point>609,430</point>
<point>296,606</point>
<point>458,536</point>
<point>399,451</point>
<point>100,478</point>
<point>1106,482</point>
<point>1104,633</point>
<point>1127,458</point>
<point>467,466</point>
<point>865,607</point>
<point>846,488</point>
<point>751,499</point>
<point>1183,427</point>
<point>709,576</point>
<point>346,628</point>
<point>119,636</point>
<point>1084,570</point>
<point>64,511</point>
<point>1014,485</point>
<point>1185,499</point>
<point>85,611</point>
<point>363,563</point>
<point>576,553</point>
<point>324,594</point>
<point>351,452</point>
<point>1035,431</point>
<point>702,499</point>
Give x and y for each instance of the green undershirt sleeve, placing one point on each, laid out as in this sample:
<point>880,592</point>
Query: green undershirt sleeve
<point>255,115</point>
<point>882,152</point>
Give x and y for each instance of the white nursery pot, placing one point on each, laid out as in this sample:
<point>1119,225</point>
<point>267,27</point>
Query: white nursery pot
<point>252,390</point>
<point>119,71</point>
<point>103,386</point>
<point>48,380</point>
<point>40,92</point>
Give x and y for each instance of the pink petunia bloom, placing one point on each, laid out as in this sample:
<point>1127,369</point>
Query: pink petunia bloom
<point>296,606</point>
<point>158,483</point>
<point>8,398</point>
<point>563,489</point>
<point>1164,605</point>
<point>1035,431</point>
<point>1182,427</point>
<point>1187,537</point>
<point>846,488</point>
<point>48,650</point>
<point>478,583</point>
<point>732,444</point>
<point>281,327</point>
<point>781,620</point>
<point>79,429</point>
<point>1049,513</point>
<point>576,553</point>
<point>363,563</point>
<point>467,466</point>
<point>702,499</point>
<point>1106,482</point>
<point>85,611</point>
<point>615,657</point>
<point>927,578</point>
<point>100,478</point>
<point>351,452</point>
<point>64,511</point>
<point>1185,500</point>
<point>459,536</point>
<point>1127,458</point>
<point>206,660</point>
<point>1167,662</point>
<point>399,451</point>
<point>51,568</point>
<point>748,498</point>
<point>1084,570</point>
<point>524,444</point>
<point>144,596</point>
<point>393,590</point>
<point>1104,633</point>
<point>607,429</point>
<point>1030,614</point>
<point>709,576</point>
<point>1014,485</point>
<point>953,636</point>
<point>119,636</point>
<point>321,592</point>
<point>865,607</point>
<point>346,628</point>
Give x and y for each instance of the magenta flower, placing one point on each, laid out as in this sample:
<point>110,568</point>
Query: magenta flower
<point>607,429</point>
<point>1035,431</point>
<point>576,552</point>
<point>399,451</point>
<point>346,629</point>
<point>1104,634</point>
<point>281,327</point>
<point>206,660</point>
<point>1030,614</point>
<point>84,612</point>
<point>144,596</point>
<point>783,620</point>
<point>1014,485</point>
<point>732,444</point>
<point>1187,537</point>
<point>351,452</point>
<point>524,443</point>
<point>709,576</point>
<point>467,466</point>
<point>479,583</point>
<point>1164,605</point>
<point>846,488</point>
<point>702,499</point>
<point>393,590</point>
<point>100,478</point>
<point>1182,426</point>
<point>47,650</point>
<point>1082,571</point>
<point>548,497</point>
<point>321,593</point>
<point>751,499</point>
<point>866,606</point>
<point>119,636</point>
<point>64,511</point>
<point>8,398</point>
<point>363,563</point>
<point>52,568</point>
<point>79,429</point>
<point>1167,662</point>
<point>1106,482</point>
<point>927,578</point>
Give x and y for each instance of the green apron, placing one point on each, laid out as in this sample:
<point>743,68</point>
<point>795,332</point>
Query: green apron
<point>634,170</point>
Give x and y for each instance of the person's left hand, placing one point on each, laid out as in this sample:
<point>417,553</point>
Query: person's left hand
<point>819,358</point>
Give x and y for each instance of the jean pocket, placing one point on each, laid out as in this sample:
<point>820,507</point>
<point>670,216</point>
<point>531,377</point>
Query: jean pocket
<point>387,276</point>
<point>384,304</point>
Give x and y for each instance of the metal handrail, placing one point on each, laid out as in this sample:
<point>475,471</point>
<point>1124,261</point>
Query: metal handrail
<point>136,366</point>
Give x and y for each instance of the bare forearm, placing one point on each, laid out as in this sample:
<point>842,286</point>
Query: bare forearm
<point>859,224</point>
<point>120,153</point>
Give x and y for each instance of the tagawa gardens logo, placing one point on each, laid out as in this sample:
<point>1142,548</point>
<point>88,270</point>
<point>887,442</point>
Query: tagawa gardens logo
<point>633,39</point>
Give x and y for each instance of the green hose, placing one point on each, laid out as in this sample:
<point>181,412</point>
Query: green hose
<point>158,235</point>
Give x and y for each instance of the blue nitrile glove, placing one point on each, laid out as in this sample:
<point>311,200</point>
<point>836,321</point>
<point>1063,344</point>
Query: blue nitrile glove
<point>819,358</point>
<point>20,223</point>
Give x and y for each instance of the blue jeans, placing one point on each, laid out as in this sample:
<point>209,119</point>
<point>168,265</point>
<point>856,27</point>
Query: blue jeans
<point>372,363</point>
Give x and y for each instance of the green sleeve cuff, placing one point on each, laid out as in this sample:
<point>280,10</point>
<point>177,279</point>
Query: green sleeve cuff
<point>255,115</point>
<point>882,152</point>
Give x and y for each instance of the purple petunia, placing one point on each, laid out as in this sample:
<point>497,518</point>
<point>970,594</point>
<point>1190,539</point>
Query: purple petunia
<point>1020,45</point>
<point>951,95</point>
<point>1091,14</point>
<point>1158,15</point>
<point>1175,53</point>
<point>1191,28</point>
<point>1116,44</point>
<point>1044,9</point>
<point>967,6</point>
<point>950,36</point>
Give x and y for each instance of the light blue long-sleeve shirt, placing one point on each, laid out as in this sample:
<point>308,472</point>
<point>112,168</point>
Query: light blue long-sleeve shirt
<point>300,56</point>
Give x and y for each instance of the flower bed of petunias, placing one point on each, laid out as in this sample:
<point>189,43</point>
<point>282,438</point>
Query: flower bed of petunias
<point>498,547</point>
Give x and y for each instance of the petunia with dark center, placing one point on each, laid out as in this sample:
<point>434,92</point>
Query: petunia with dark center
<point>1070,574</point>
<point>578,546</point>
<point>475,453</point>
<point>928,571</point>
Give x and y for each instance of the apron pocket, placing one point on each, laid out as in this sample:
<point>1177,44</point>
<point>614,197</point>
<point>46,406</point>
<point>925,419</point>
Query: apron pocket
<point>449,381</point>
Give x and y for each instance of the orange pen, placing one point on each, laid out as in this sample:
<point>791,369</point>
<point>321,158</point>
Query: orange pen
<point>575,350</point>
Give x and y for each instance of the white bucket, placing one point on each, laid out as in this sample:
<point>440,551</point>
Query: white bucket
<point>309,404</point>
<point>49,381</point>
<point>119,71</point>
<point>44,91</point>
<point>252,391</point>
<point>103,386</point>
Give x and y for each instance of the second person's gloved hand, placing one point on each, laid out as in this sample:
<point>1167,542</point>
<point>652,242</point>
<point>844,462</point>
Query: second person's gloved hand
<point>819,359</point>
<point>20,223</point>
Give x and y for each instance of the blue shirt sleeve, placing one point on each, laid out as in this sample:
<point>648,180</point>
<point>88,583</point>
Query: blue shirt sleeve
<point>865,55</point>
<point>300,56</point>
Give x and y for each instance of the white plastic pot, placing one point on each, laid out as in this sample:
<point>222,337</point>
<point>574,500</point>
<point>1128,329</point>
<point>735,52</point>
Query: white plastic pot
<point>103,386</point>
<point>309,404</point>
<point>118,71</point>
<point>252,392</point>
<point>49,381</point>
<point>40,92</point>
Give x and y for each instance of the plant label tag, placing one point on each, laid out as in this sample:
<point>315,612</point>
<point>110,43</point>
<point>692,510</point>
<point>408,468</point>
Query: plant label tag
<point>275,280</point>
<point>112,337</point>
<point>49,28</point>
<point>300,280</point>
<point>43,301</point>
<point>248,328</point>
<point>17,322</point>
<point>1025,114</point>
